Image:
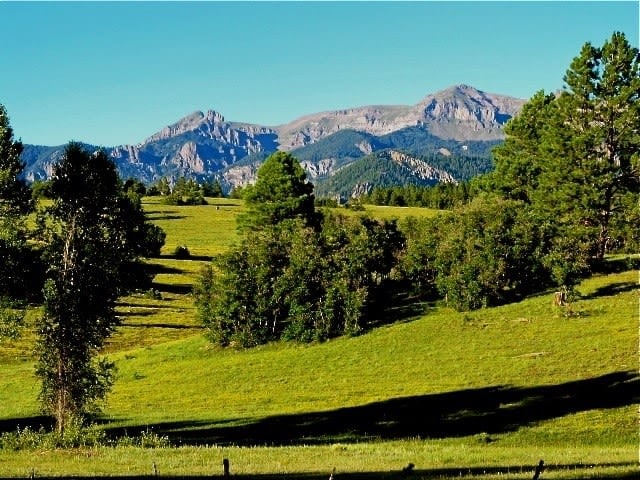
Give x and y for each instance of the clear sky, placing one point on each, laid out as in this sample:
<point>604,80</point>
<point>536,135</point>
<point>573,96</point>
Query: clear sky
<point>115,73</point>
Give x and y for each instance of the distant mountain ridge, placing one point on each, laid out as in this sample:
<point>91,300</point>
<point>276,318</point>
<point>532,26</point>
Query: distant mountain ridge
<point>459,120</point>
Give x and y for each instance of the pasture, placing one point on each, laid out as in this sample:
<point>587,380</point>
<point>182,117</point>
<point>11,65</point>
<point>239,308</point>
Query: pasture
<point>485,394</point>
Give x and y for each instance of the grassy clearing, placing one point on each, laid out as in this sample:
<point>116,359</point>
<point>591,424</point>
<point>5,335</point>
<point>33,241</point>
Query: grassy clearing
<point>484,394</point>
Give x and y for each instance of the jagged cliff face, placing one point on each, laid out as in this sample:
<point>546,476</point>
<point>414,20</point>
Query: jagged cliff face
<point>376,120</point>
<point>420,168</point>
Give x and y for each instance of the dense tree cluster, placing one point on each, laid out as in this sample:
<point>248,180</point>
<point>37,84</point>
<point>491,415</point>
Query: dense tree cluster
<point>295,275</point>
<point>574,158</point>
<point>565,191</point>
<point>441,196</point>
<point>481,254</point>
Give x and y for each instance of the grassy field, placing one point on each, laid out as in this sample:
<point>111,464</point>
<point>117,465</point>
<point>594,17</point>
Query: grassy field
<point>485,394</point>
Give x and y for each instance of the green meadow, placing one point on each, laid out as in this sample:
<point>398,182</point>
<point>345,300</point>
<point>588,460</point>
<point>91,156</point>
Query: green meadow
<point>484,394</point>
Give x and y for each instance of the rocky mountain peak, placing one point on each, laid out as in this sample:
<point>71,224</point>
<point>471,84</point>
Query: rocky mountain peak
<point>194,121</point>
<point>463,112</point>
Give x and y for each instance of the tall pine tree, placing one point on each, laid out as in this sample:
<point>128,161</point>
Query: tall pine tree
<point>15,204</point>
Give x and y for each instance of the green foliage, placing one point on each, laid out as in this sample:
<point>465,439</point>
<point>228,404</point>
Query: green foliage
<point>76,436</point>
<point>281,192</point>
<point>440,196</point>
<point>161,187</point>
<point>258,295</point>
<point>11,320</point>
<point>186,192</point>
<point>293,282</point>
<point>487,253</point>
<point>40,190</point>
<point>15,204</point>
<point>134,186</point>
<point>92,232</point>
<point>237,193</point>
<point>573,159</point>
<point>212,188</point>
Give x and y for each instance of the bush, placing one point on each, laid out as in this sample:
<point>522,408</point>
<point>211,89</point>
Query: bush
<point>75,435</point>
<point>181,251</point>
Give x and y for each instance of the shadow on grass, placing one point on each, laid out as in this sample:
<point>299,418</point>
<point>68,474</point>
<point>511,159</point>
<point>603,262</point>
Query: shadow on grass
<point>485,411</point>
<point>173,326</point>
<point>611,289</point>
<point>33,423</point>
<point>146,313</point>
<point>150,306</point>
<point>156,268</point>
<point>195,258</point>
<point>175,288</point>
<point>153,217</point>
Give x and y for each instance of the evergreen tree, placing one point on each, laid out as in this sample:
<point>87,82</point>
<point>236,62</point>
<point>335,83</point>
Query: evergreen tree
<point>593,141</point>
<point>281,192</point>
<point>574,157</point>
<point>15,204</point>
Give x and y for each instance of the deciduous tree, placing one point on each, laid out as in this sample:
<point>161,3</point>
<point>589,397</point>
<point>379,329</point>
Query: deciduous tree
<point>90,234</point>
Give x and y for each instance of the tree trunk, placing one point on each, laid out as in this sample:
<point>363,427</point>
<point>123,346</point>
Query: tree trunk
<point>61,393</point>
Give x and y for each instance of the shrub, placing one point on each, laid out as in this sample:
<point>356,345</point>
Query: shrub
<point>181,251</point>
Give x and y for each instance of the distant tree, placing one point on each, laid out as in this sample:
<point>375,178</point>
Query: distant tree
<point>90,234</point>
<point>237,192</point>
<point>281,192</point>
<point>161,187</point>
<point>15,204</point>
<point>213,189</point>
<point>135,186</point>
<point>186,192</point>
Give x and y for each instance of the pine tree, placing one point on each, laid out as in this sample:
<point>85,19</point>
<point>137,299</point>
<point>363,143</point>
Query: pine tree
<point>281,192</point>
<point>15,204</point>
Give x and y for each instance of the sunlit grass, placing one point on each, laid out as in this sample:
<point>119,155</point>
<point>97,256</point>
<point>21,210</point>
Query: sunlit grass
<point>205,230</point>
<point>372,392</point>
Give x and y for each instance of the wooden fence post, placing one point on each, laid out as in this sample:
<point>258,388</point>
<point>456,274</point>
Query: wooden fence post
<point>539,470</point>
<point>225,467</point>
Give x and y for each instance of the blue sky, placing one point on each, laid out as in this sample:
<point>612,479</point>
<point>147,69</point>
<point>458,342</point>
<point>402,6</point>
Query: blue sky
<point>115,73</point>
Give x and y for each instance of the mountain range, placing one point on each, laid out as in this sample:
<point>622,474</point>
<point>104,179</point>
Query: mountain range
<point>425,143</point>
